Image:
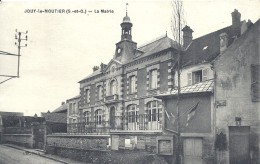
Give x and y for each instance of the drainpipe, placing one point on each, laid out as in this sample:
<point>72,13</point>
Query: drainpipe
<point>214,111</point>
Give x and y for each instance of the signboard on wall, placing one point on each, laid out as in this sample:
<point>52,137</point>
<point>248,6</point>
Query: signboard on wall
<point>165,145</point>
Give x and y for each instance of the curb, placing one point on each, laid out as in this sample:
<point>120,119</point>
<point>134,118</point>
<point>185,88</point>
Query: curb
<point>36,153</point>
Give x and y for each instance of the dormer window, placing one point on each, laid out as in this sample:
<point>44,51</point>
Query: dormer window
<point>197,76</point>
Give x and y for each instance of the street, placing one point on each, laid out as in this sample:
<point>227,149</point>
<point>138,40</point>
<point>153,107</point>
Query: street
<point>13,156</point>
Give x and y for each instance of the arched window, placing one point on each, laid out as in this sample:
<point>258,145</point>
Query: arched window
<point>98,117</point>
<point>113,87</point>
<point>153,111</point>
<point>87,117</point>
<point>132,113</point>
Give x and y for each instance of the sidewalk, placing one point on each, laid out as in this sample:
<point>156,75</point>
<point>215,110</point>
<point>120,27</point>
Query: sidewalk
<point>42,153</point>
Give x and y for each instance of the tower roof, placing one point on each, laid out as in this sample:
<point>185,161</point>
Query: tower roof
<point>126,19</point>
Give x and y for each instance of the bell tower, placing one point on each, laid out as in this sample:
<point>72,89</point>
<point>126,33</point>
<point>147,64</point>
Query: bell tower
<point>125,48</point>
<point>126,26</point>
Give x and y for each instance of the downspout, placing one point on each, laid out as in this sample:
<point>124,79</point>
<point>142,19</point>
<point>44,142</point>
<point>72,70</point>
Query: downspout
<point>214,111</point>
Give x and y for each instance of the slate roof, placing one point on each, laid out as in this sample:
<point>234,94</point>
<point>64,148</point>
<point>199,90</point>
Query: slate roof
<point>55,117</point>
<point>76,97</point>
<point>157,45</point>
<point>202,87</point>
<point>205,48</point>
<point>62,108</point>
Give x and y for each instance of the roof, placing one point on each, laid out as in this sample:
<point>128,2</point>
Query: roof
<point>62,108</point>
<point>205,48</point>
<point>92,74</point>
<point>155,46</point>
<point>202,87</point>
<point>76,97</point>
<point>55,117</point>
<point>11,113</point>
<point>126,19</point>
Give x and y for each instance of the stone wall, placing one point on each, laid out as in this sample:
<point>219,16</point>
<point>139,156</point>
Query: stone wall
<point>85,142</point>
<point>95,149</point>
<point>25,140</point>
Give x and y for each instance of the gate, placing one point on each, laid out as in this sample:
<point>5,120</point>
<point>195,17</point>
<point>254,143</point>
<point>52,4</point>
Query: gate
<point>192,149</point>
<point>239,145</point>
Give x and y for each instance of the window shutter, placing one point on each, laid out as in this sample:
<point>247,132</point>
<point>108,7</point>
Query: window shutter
<point>189,79</point>
<point>255,82</point>
<point>205,73</point>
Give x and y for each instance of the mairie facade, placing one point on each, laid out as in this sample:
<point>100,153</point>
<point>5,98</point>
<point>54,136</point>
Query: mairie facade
<point>119,96</point>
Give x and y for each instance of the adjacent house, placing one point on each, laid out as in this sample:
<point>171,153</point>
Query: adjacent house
<point>216,93</point>
<point>237,97</point>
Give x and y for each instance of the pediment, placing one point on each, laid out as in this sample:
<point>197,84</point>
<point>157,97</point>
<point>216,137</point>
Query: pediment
<point>113,65</point>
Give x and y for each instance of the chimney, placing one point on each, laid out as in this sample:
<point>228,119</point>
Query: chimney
<point>223,42</point>
<point>95,68</point>
<point>62,103</point>
<point>102,66</point>
<point>236,22</point>
<point>187,36</point>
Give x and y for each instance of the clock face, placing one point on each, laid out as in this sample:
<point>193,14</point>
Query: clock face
<point>118,50</point>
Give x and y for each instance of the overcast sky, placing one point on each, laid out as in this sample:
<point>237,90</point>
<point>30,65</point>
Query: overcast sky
<point>63,48</point>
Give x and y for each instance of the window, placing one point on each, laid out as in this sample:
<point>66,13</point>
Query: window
<point>113,87</point>
<point>153,111</point>
<point>87,95</point>
<point>98,117</point>
<point>70,108</point>
<point>87,117</point>
<point>74,108</point>
<point>132,84</point>
<point>197,76</point>
<point>255,82</point>
<point>153,79</point>
<point>99,92</point>
<point>132,113</point>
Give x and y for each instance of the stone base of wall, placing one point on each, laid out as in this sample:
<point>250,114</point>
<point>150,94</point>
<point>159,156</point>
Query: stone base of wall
<point>109,157</point>
<point>25,140</point>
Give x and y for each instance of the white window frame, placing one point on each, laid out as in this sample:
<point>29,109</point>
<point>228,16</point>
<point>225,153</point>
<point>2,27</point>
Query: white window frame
<point>98,116</point>
<point>132,81</point>
<point>153,79</point>
<point>113,87</point>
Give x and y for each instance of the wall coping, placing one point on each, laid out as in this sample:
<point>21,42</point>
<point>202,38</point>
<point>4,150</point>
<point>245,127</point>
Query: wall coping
<point>17,134</point>
<point>135,131</point>
<point>77,135</point>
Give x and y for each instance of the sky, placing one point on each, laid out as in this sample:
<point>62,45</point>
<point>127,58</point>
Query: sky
<point>63,48</point>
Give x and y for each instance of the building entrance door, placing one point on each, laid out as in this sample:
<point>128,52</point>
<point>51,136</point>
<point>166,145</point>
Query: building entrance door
<point>192,150</point>
<point>112,117</point>
<point>239,145</point>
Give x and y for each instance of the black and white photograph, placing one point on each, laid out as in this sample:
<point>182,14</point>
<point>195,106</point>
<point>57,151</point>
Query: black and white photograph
<point>129,82</point>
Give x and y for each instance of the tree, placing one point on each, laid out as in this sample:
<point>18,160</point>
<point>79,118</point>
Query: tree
<point>177,23</point>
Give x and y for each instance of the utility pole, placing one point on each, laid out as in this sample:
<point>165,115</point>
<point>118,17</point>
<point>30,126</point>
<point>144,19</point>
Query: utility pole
<point>18,44</point>
<point>19,39</point>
